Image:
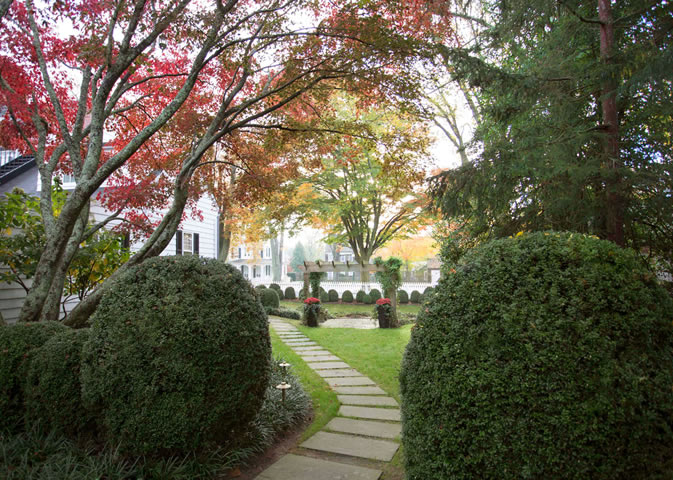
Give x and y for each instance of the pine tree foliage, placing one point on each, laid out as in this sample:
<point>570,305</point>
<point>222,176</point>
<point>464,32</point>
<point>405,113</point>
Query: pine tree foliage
<point>543,77</point>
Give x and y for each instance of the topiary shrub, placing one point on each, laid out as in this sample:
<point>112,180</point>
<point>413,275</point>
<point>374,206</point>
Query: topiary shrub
<point>333,295</point>
<point>360,296</point>
<point>178,356</point>
<point>543,356</point>
<point>347,297</point>
<point>259,288</point>
<point>375,294</point>
<point>269,298</point>
<point>53,389</point>
<point>428,291</point>
<point>17,346</point>
<point>368,299</point>
<point>415,297</point>
<point>289,293</point>
<point>324,298</point>
<point>402,296</point>
<point>275,286</point>
<point>302,294</point>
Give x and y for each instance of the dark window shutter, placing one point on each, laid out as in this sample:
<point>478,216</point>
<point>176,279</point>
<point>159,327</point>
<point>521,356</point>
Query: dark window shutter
<point>178,242</point>
<point>196,244</point>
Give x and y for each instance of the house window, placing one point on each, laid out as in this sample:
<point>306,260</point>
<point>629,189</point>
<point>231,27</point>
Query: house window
<point>261,253</point>
<point>68,178</point>
<point>268,252</point>
<point>244,271</point>
<point>267,270</point>
<point>256,271</point>
<point>186,243</point>
<point>240,253</point>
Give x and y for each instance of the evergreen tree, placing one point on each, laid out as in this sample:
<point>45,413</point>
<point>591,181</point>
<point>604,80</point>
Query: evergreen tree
<point>575,122</point>
<point>297,259</point>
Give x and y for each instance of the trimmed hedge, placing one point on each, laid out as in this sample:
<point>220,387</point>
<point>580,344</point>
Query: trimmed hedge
<point>324,298</point>
<point>415,297</point>
<point>260,288</point>
<point>360,296</point>
<point>543,356</point>
<point>333,295</point>
<point>283,312</point>
<point>347,297</point>
<point>170,365</point>
<point>368,300</point>
<point>290,294</point>
<point>269,298</point>
<point>375,294</point>
<point>53,388</point>
<point>402,296</point>
<point>17,346</point>
<point>278,290</point>
<point>428,291</point>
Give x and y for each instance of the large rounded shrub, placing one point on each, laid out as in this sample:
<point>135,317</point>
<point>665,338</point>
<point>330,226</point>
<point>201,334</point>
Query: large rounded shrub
<point>543,356</point>
<point>278,290</point>
<point>333,295</point>
<point>375,294</point>
<point>360,296</point>
<point>415,297</point>
<point>347,297</point>
<point>368,300</point>
<point>402,296</point>
<point>269,298</point>
<point>324,298</point>
<point>53,388</point>
<point>290,293</point>
<point>17,346</point>
<point>178,356</point>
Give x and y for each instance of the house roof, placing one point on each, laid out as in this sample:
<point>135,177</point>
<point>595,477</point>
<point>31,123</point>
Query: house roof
<point>16,167</point>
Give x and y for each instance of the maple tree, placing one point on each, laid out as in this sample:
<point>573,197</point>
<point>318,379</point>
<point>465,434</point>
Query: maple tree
<point>171,79</point>
<point>368,188</point>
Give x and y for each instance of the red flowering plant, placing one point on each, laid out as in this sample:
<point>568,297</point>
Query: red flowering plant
<point>384,310</point>
<point>311,311</point>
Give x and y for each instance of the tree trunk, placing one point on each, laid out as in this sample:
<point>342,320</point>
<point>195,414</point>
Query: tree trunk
<point>52,305</point>
<point>225,238</point>
<point>614,184</point>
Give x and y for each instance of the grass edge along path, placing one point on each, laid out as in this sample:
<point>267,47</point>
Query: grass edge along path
<point>377,354</point>
<point>324,399</point>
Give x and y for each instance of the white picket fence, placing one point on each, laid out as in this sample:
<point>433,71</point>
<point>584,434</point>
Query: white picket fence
<point>341,287</point>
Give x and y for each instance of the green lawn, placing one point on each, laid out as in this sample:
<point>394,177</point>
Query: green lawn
<point>340,309</point>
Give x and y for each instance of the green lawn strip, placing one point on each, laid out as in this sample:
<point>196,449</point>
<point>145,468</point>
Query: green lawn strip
<point>375,353</point>
<point>339,309</point>
<point>325,402</point>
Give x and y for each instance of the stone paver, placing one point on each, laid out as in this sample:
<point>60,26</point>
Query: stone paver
<point>352,445</point>
<point>296,467</point>
<point>349,381</point>
<point>357,390</point>
<point>301,343</point>
<point>324,365</point>
<point>315,352</point>
<point>371,413</point>
<point>339,372</point>
<point>306,349</point>
<point>365,427</point>
<point>319,358</point>
<point>372,401</point>
<point>362,323</point>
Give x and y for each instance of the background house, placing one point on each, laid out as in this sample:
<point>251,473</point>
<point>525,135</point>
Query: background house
<point>255,262</point>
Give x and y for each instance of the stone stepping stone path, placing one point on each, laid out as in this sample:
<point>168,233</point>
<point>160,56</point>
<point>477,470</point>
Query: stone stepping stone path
<point>365,433</point>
